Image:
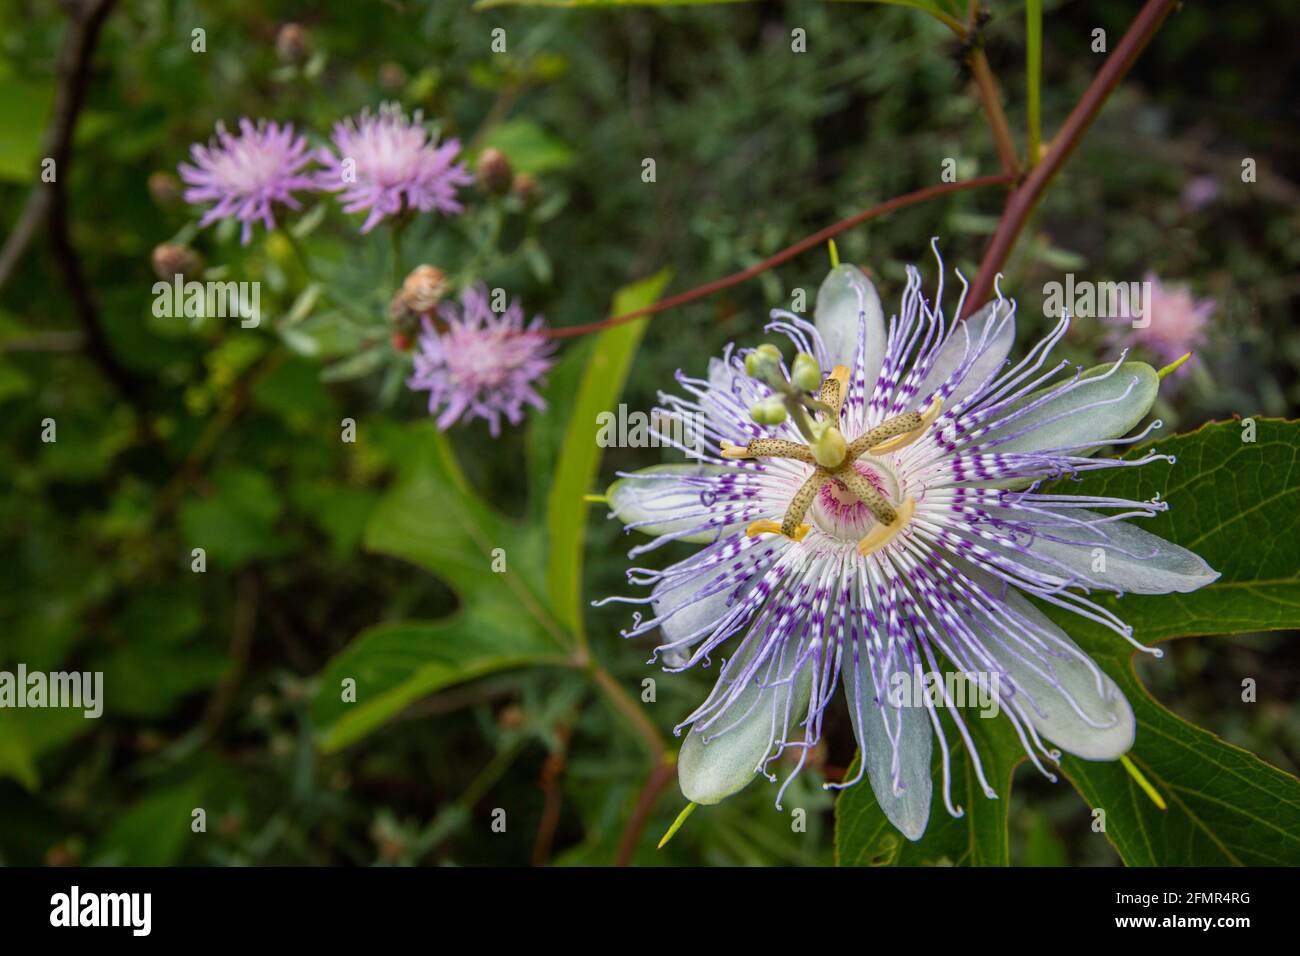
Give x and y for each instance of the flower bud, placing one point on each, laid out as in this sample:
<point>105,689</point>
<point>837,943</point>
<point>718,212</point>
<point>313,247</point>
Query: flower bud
<point>293,43</point>
<point>493,171</point>
<point>806,374</point>
<point>392,77</point>
<point>164,188</point>
<point>524,187</point>
<point>423,289</point>
<point>829,448</point>
<point>770,411</point>
<point>171,260</point>
<point>764,364</point>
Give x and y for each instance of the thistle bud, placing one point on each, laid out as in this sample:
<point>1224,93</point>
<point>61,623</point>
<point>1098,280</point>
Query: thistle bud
<point>392,77</point>
<point>293,43</point>
<point>423,289</point>
<point>171,260</point>
<point>494,172</point>
<point>806,374</point>
<point>164,187</point>
<point>524,187</point>
<point>770,411</point>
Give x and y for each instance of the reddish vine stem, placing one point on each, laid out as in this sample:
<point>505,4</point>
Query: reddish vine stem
<point>785,255</point>
<point>1022,200</point>
<point>659,778</point>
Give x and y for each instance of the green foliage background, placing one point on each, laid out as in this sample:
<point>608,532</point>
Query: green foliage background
<point>364,559</point>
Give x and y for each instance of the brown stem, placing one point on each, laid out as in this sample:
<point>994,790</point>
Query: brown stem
<point>785,255</point>
<point>550,784</point>
<point>659,778</point>
<point>992,101</point>
<point>1021,201</point>
<point>71,73</point>
<point>241,643</point>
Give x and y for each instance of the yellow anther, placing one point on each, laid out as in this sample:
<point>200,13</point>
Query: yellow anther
<point>882,534</point>
<point>734,451</point>
<point>834,395</point>
<point>763,526</point>
<point>902,441</point>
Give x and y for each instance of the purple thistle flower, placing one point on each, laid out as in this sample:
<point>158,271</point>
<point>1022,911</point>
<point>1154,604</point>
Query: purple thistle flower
<point>388,162</point>
<point>910,537</point>
<point>481,365</point>
<point>245,175</point>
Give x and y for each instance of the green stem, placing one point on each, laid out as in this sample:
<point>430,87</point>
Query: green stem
<point>1022,201</point>
<point>1033,76</point>
<point>299,253</point>
<point>628,707</point>
<point>489,775</point>
<point>395,237</point>
<point>486,248</point>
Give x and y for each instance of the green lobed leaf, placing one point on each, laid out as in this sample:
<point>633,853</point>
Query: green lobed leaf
<point>431,518</point>
<point>395,665</point>
<point>1224,806</point>
<point>1237,504</point>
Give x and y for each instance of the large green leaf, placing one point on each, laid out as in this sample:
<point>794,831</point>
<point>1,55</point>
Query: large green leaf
<point>154,831</point>
<point>1224,806</point>
<point>431,517</point>
<point>395,665</point>
<point>27,734</point>
<point>1237,504</point>
<point>527,613</point>
<point>602,380</point>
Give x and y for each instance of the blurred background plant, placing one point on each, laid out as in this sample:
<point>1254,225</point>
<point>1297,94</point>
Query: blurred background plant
<point>175,435</point>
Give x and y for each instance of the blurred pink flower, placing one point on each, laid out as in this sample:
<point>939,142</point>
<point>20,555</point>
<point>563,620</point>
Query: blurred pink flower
<point>481,365</point>
<point>244,175</point>
<point>388,162</point>
<point>1174,323</point>
<point>1199,192</point>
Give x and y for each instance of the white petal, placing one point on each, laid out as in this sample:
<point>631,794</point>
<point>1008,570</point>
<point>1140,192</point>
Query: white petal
<point>845,301</point>
<point>1059,722</point>
<point>1066,423</point>
<point>963,340</point>
<point>908,810</point>
<point>658,500</point>
<point>1119,556</point>
<point>711,772</point>
<point>685,611</point>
